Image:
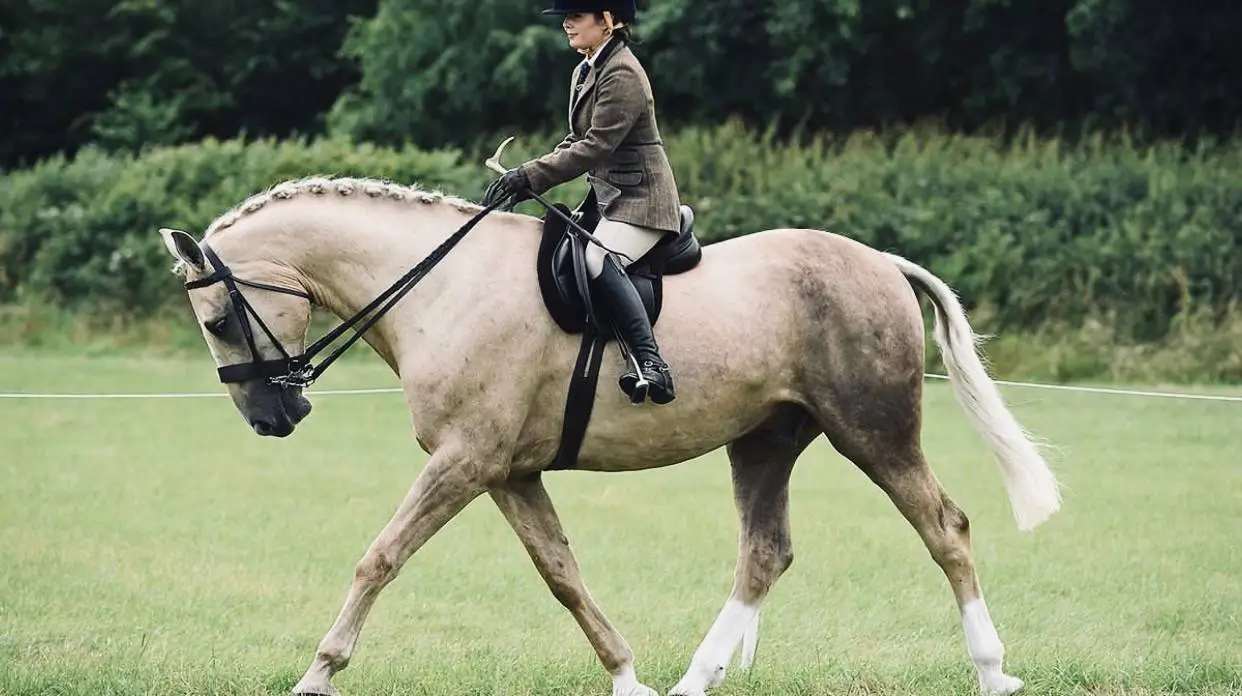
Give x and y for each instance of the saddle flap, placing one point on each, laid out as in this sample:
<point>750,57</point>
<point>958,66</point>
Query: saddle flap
<point>563,280</point>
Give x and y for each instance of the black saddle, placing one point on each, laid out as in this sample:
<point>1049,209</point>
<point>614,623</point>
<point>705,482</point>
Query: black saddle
<point>563,276</point>
<point>563,283</point>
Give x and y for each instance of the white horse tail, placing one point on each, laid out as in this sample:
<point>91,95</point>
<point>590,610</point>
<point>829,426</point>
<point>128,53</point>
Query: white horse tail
<point>1033,491</point>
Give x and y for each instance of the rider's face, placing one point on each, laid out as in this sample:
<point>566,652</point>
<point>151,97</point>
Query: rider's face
<point>584,30</point>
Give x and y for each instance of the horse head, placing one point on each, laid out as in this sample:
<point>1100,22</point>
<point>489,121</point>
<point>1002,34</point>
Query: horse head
<point>255,325</point>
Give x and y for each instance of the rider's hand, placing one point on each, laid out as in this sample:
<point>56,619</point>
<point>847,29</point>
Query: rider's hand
<point>515,183</point>
<point>508,190</point>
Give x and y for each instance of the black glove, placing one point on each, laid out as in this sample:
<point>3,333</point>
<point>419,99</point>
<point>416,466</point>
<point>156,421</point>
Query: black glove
<point>512,185</point>
<point>516,184</point>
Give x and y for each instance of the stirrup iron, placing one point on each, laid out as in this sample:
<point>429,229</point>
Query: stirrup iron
<point>639,395</point>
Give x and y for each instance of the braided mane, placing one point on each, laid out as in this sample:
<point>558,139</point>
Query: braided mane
<point>318,186</point>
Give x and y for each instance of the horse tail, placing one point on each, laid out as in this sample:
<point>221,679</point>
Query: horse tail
<point>1033,491</point>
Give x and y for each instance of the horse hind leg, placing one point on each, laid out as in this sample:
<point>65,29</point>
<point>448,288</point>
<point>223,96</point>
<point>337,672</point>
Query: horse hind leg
<point>945,531</point>
<point>885,446</point>
<point>762,462</point>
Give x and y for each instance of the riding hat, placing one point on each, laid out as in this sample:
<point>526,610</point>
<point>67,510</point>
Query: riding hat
<point>622,10</point>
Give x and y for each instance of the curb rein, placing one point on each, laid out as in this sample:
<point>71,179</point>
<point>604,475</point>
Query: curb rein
<point>297,371</point>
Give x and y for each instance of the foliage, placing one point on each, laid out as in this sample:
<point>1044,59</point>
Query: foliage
<point>81,232</point>
<point>435,72</point>
<point>1032,233</point>
<point>137,73</point>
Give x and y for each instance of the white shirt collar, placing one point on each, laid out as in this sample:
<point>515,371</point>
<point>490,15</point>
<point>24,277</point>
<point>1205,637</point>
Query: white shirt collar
<point>590,60</point>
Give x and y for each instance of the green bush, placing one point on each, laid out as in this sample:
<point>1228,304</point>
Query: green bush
<point>81,233</point>
<point>1032,233</point>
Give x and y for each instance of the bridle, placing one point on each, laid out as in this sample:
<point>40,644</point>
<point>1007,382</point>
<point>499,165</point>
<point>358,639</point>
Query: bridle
<point>280,369</point>
<point>297,370</point>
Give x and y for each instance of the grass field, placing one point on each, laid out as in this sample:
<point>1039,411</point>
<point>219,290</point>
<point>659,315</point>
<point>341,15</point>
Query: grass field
<point>157,547</point>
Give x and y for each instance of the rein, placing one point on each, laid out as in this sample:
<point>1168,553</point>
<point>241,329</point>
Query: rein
<point>297,371</point>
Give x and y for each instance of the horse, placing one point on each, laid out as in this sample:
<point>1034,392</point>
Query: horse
<point>775,338</point>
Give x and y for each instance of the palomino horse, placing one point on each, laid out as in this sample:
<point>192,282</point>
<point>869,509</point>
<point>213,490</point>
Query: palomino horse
<point>775,338</point>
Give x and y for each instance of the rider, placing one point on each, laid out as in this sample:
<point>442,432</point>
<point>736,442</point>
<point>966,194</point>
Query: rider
<point>614,139</point>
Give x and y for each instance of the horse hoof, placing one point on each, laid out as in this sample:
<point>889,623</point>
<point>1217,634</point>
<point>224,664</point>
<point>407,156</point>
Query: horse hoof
<point>698,679</point>
<point>1002,685</point>
<point>636,690</point>
<point>626,684</point>
<point>315,690</point>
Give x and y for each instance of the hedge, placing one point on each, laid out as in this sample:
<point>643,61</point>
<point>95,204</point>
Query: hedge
<point>81,232</point>
<point>1030,232</point>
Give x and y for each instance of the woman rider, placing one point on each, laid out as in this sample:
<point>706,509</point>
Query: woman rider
<point>613,139</point>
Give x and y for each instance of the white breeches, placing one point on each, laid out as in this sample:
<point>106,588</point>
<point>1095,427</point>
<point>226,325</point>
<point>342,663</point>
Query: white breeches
<point>631,240</point>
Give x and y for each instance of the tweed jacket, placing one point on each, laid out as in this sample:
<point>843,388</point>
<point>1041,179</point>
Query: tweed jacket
<point>613,139</point>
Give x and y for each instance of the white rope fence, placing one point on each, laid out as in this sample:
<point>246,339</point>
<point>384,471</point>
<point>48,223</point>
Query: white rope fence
<point>187,395</point>
<point>394,390</point>
<point>1108,390</point>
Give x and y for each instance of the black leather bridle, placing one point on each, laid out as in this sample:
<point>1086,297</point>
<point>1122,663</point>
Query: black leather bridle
<point>297,370</point>
<point>285,367</point>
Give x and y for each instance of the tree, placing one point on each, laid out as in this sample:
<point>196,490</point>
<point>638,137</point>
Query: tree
<point>148,72</point>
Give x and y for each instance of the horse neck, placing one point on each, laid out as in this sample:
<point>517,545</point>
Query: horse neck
<point>347,253</point>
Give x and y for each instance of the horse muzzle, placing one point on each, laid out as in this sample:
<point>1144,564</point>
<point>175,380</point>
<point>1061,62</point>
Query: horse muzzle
<point>277,411</point>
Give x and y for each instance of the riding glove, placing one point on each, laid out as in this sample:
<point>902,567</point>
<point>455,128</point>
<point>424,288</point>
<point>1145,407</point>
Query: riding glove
<point>507,191</point>
<point>515,183</point>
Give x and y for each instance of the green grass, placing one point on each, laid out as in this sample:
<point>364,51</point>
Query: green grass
<point>157,547</point>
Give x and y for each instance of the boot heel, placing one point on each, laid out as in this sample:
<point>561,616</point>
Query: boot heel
<point>639,393</point>
<point>660,396</point>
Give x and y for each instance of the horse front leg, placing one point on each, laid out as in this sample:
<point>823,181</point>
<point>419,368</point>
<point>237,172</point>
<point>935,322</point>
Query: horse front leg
<point>528,509</point>
<point>450,480</point>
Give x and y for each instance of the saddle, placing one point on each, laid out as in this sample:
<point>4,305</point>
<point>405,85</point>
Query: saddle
<point>563,284</point>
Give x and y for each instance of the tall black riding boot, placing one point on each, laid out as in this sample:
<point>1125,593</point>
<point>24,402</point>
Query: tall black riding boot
<point>624,307</point>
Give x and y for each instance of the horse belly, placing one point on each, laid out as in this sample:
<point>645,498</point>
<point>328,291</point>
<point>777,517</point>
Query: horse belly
<point>730,349</point>
<point>645,439</point>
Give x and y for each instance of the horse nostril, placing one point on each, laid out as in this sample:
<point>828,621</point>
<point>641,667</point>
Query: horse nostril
<point>263,427</point>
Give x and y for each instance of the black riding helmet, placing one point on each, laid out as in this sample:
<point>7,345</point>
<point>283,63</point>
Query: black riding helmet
<point>621,10</point>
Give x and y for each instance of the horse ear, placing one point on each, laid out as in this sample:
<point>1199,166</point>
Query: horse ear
<point>183,248</point>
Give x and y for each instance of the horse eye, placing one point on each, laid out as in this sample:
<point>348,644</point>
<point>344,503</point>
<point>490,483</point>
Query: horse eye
<point>216,327</point>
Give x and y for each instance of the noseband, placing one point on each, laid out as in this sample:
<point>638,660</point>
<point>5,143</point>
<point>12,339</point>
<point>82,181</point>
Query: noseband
<point>280,371</point>
<point>297,371</point>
